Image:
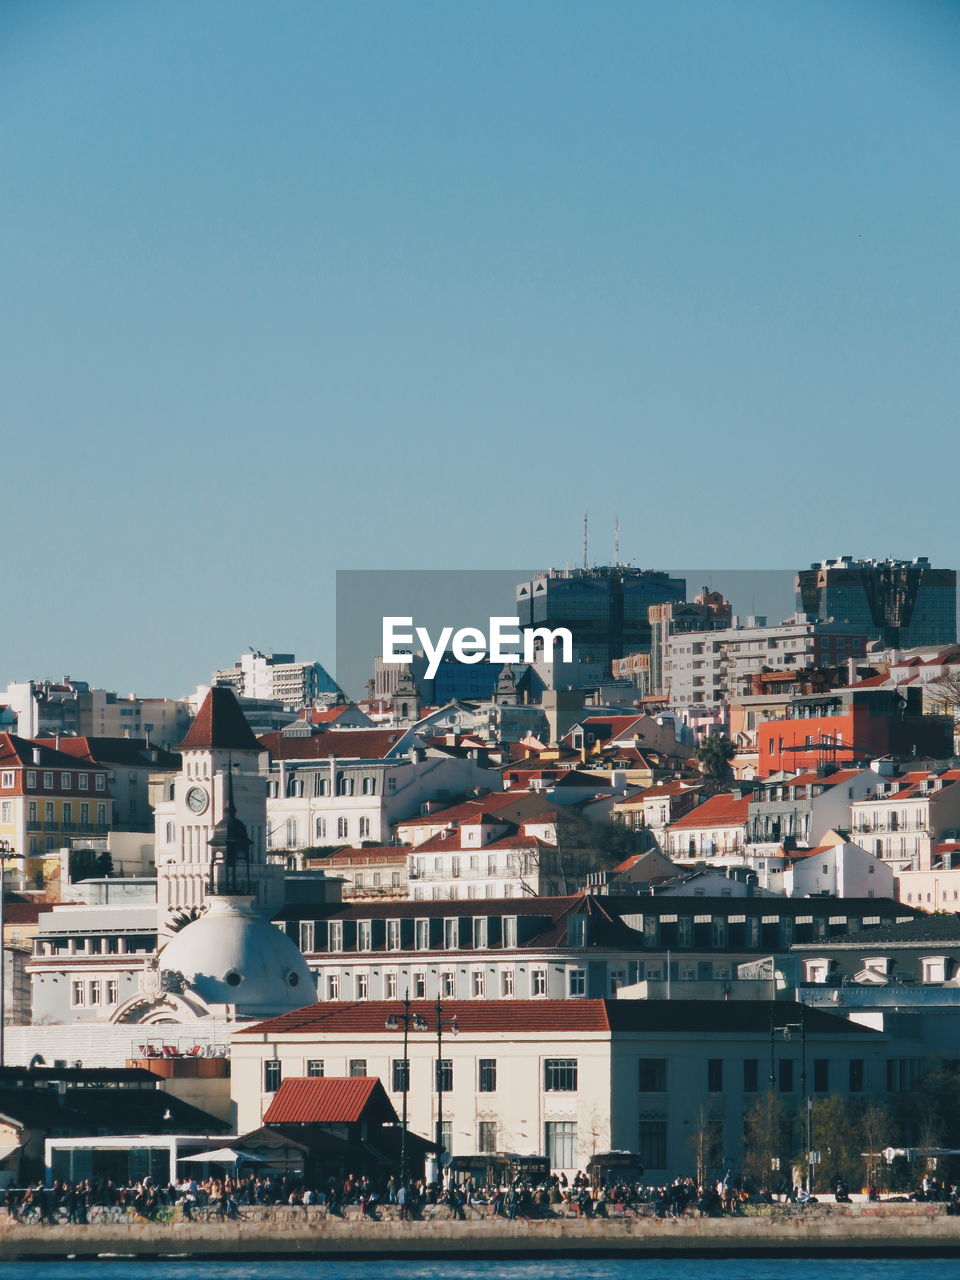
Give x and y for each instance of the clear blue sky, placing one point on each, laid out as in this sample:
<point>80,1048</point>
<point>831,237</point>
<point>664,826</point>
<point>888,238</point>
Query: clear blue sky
<point>294,286</point>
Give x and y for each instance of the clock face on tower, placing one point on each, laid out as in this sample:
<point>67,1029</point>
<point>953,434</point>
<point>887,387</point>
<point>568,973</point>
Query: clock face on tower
<point>197,799</point>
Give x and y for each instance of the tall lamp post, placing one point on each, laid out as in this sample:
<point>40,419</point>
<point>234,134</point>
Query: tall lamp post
<point>443,1024</point>
<point>785,1029</point>
<point>6,851</point>
<point>393,1023</point>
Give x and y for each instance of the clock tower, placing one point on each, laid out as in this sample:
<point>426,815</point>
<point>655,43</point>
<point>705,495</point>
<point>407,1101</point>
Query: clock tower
<point>220,780</point>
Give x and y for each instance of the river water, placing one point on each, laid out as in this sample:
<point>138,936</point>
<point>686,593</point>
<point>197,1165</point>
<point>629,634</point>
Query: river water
<point>602,1269</point>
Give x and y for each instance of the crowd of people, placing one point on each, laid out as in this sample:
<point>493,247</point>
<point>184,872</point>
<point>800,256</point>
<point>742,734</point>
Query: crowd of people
<point>225,1197</point>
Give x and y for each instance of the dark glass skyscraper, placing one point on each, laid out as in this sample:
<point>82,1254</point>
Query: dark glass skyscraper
<point>605,608</point>
<point>904,603</point>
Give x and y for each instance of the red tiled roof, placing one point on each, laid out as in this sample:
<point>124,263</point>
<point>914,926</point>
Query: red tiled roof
<point>368,1016</point>
<point>24,912</point>
<point>718,811</point>
<point>376,853</point>
<point>16,751</point>
<point>219,726</point>
<point>129,752</point>
<point>340,744</point>
<point>515,840</point>
<point>329,1100</point>
<point>471,810</point>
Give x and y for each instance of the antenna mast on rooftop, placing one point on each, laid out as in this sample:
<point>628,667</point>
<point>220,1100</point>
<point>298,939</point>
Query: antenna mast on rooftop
<point>616,540</point>
<point>586,539</point>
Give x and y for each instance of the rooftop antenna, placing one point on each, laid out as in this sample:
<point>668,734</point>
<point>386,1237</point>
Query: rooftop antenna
<point>616,540</point>
<point>586,539</point>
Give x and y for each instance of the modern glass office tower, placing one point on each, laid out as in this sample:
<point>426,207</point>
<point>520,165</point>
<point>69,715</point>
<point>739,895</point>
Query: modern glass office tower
<point>905,603</point>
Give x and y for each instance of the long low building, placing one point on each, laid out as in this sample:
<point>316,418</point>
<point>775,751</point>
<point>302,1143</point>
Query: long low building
<point>566,1079</point>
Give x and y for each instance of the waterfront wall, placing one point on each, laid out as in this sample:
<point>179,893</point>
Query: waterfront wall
<point>280,1232</point>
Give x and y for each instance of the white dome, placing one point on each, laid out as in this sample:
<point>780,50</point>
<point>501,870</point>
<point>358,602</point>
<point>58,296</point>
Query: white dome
<point>232,955</point>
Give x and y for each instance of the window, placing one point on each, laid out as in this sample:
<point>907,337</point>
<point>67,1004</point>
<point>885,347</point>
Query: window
<point>577,931</point>
<point>477,984</point>
<point>31,779</point>
<point>561,1143</point>
<point>421,933</point>
<point>364,828</point>
<point>506,983</point>
<point>785,1068</point>
<point>578,982</point>
<point>48,781</point>
<point>363,986</point>
<point>487,1136</point>
<point>652,1144</point>
<point>364,935</point>
<point>538,982</point>
<point>751,1074</point>
<point>96,992</point>
<point>618,978</point>
<point>77,995</point>
<point>358,1067</point>
<point>451,933</point>
<point>446,1135</point>
<point>321,828</point>
<point>447,984</point>
<point>341,828</point>
<point>652,1076</point>
<point>560,1075</point>
<point>480,932</point>
<point>271,1075</point>
<point>66,781</point>
<point>369,786</point>
<point>85,815</point>
<point>306,935</point>
<point>390,986</point>
<point>100,782</point>
<point>314,1067</point>
<point>335,942</point>
<point>333,986</point>
<point>821,1075</point>
<point>487,1075</point>
<point>113,991</point>
<point>344,785</point>
<point>443,1072</point>
<point>856,1075</point>
<point>393,935</point>
<point>419,986</point>
<point>509,931</point>
<point>48,811</point>
<point>6,812</point>
<point>400,1075</point>
<point>101,814</point>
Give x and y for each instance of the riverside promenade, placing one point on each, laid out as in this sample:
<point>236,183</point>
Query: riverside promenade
<point>825,1230</point>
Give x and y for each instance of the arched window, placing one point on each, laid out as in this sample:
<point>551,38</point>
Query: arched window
<point>291,833</point>
<point>321,828</point>
<point>344,785</point>
<point>369,786</point>
<point>364,827</point>
<point>341,828</point>
<point>324,786</point>
<point>171,832</point>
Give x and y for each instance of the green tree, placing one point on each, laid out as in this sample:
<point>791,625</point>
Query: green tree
<point>837,1134</point>
<point>714,755</point>
<point>584,846</point>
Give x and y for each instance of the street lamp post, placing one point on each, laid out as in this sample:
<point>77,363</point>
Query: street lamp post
<point>6,851</point>
<point>451,1026</point>
<point>785,1030</point>
<point>393,1023</point>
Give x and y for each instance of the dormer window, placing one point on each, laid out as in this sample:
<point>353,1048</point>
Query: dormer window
<point>933,968</point>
